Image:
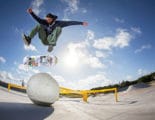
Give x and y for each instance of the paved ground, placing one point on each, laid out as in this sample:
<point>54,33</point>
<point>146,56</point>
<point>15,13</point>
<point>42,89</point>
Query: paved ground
<point>134,105</point>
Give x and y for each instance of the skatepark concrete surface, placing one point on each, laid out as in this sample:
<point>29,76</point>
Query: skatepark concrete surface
<point>136,103</point>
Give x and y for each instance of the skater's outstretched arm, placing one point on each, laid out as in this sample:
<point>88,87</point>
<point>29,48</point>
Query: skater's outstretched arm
<point>38,19</point>
<point>69,23</point>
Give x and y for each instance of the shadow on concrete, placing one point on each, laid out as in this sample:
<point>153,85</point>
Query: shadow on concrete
<point>23,111</point>
<point>114,103</point>
<point>79,101</point>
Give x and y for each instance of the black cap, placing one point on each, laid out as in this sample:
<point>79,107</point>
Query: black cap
<point>51,16</point>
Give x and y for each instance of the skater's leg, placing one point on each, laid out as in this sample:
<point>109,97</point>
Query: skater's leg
<point>53,37</point>
<point>34,31</point>
<point>43,35</point>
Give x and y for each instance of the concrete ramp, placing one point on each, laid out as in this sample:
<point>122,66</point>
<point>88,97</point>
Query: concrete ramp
<point>135,105</point>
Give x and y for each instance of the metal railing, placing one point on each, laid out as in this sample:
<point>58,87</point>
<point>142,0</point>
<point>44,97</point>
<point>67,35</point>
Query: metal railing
<point>84,93</point>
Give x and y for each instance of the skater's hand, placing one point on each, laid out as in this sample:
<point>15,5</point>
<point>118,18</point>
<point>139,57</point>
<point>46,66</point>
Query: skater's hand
<point>29,10</point>
<point>85,24</point>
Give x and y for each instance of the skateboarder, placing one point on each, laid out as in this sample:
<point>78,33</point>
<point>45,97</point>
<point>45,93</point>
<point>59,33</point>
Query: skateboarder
<point>48,29</point>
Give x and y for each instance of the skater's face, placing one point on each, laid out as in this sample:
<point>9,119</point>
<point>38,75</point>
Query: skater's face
<point>49,20</point>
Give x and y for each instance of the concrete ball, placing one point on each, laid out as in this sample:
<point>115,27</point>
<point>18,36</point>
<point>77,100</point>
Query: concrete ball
<point>42,89</point>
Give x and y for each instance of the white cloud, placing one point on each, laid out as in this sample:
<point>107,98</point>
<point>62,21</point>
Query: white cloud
<point>110,62</point>
<point>72,8</point>
<point>129,77</point>
<point>94,62</point>
<point>72,5</point>
<point>84,10</point>
<point>36,6</point>
<point>95,80</point>
<point>5,76</point>
<point>90,35</point>
<point>26,68</point>
<point>143,47</point>
<point>9,78</point>
<point>22,67</point>
<point>142,72</point>
<point>121,39</point>
<point>101,54</point>
<point>15,62</point>
<point>92,81</point>
<point>30,48</point>
<point>34,70</point>
<point>118,20</point>
<point>105,43</point>
<point>136,30</point>
<point>80,51</point>
<point>24,72</point>
<point>61,81</point>
<point>2,59</point>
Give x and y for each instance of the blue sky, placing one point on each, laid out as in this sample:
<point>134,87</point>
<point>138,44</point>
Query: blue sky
<point>117,45</point>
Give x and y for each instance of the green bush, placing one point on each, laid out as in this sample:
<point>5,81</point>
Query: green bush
<point>144,79</point>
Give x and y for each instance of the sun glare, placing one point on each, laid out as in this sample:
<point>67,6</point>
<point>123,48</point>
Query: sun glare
<point>71,60</point>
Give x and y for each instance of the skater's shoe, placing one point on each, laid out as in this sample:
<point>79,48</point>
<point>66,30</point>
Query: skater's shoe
<point>27,40</point>
<point>50,48</point>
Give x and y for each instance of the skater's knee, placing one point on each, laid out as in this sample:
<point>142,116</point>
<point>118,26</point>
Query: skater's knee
<point>39,26</point>
<point>45,42</point>
<point>58,28</point>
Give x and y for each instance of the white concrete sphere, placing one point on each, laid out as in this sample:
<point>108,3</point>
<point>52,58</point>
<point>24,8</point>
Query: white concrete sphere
<point>42,89</point>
